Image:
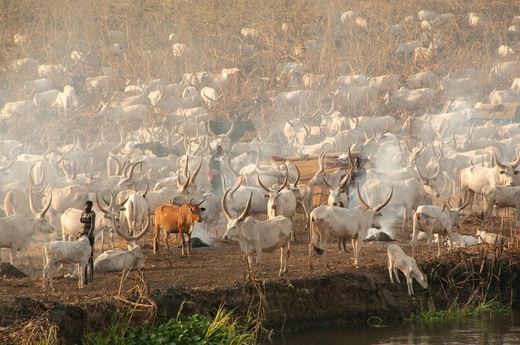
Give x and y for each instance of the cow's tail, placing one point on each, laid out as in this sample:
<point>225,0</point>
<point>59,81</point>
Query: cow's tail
<point>315,236</point>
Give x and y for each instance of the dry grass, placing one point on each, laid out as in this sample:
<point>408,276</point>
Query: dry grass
<point>212,30</point>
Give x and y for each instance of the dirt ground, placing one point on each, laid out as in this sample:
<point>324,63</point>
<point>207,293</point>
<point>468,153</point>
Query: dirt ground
<point>219,265</point>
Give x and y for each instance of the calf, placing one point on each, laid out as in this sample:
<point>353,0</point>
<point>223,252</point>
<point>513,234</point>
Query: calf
<point>256,236</point>
<point>397,259</point>
<point>178,220</point>
<point>66,253</point>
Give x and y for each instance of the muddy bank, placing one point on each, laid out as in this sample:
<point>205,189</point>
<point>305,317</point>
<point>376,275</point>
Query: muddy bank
<point>283,304</point>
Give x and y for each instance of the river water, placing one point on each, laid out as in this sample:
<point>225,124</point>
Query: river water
<point>499,330</point>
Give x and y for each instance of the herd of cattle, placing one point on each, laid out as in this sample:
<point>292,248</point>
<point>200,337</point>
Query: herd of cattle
<point>156,175</point>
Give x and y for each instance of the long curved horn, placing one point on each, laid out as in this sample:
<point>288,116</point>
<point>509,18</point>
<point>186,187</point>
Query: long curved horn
<point>146,190</point>
<point>182,186</point>
<point>237,184</point>
<point>197,169</point>
<point>129,238</point>
<point>497,162</point>
<point>286,178</point>
<point>131,173</point>
<point>424,178</point>
<point>261,184</point>
<point>323,111</point>
<point>246,210</point>
<point>104,210</point>
<point>326,184</point>
<point>31,177</point>
<point>516,162</point>
<point>384,203</point>
<point>230,166</point>
<point>345,180</point>
<point>361,201</point>
<point>185,170</point>
<point>224,208</point>
<point>298,175</point>
<point>321,159</point>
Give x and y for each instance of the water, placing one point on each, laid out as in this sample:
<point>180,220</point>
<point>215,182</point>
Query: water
<point>503,330</point>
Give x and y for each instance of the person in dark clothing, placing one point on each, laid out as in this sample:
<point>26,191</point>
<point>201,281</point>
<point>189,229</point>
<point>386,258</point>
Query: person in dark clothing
<point>214,172</point>
<point>88,220</point>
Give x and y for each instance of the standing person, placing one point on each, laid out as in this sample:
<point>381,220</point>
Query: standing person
<point>88,219</point>
<point>214,173</point>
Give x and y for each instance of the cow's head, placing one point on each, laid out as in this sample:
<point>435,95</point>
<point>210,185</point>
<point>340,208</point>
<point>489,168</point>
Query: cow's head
<point>505,173</point>
<point>195,211</point>
<point>373,214</point>
<point>234,225</point>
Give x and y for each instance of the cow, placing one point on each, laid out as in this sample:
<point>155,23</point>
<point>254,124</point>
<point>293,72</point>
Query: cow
<point>406,99</point>
<point>16,231</point>
<point>78,252</point>
<point>501,197</point>
<point>409,193</point>
<point>66,101</point>
<point>176,219</point>
<point>282,202</point>
<point>474,178</point>
<point>435,220</point>
<point>421,80</point>
<point>343,223</point>
<point>257,236</point>
<point>118,260</point>
<point>397,259</point>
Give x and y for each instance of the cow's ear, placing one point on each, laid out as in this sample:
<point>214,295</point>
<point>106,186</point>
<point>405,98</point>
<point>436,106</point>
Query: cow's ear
<point>202,209</point>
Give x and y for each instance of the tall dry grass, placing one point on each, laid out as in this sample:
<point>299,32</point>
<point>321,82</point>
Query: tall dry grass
<point>212,30</point>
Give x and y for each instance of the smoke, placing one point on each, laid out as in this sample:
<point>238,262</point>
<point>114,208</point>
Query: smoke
<point>201,233</point>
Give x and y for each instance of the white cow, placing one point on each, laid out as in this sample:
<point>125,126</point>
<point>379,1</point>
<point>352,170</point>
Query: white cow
<point>397,259</point>
<point>256,236</point>
<point>342,223</point>
<point>435,220</point>
<point>65,252</point>
<point>406,99</point>
<point>118,260</point>
<point>16,231</point>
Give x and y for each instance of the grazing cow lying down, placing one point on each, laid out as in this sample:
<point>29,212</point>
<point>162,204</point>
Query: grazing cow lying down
<point>491,238</point>
<point>397,259</point>
<point>118,260</point>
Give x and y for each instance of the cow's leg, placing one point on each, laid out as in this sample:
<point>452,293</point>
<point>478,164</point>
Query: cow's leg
<point>189,244</point>
<point>250,266</point>
<point>283,258</point>
<point>409,282</point>
<point>81,273</point>
<point>396,274</point>
<point>166,242</point>
<point>12,258</point>
<point>450,241</point>
<point>429,236</point>
<point>391,269</point>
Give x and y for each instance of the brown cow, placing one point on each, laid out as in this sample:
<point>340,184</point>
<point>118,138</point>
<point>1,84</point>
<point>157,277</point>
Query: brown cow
<point>178,220</point>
